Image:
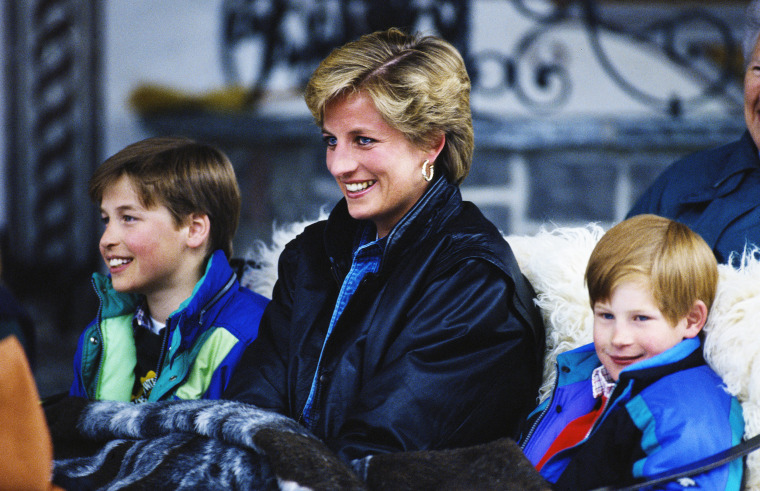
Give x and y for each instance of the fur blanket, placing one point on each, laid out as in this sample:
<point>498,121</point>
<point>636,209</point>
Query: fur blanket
<point>229,445</point>
<point>186,445</point>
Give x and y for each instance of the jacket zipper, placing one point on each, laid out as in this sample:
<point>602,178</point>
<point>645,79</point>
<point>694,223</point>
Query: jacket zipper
<point>226,288</point>
<point>164,341</point>
<point>98,321</point>
<point>611,402</point>
<point>541,416</point>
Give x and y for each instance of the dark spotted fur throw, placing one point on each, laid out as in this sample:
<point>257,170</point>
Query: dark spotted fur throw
<point>186,445</point>
<point>230,445</point>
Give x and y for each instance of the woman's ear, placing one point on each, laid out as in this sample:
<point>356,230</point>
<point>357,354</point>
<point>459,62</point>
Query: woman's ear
<point>198,230</point>
<point>436,148</point>
<point>695,319</point>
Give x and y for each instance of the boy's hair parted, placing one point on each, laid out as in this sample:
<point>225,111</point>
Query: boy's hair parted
<point>184,176</point>
<point>419,84</point>
<point>672,260</point>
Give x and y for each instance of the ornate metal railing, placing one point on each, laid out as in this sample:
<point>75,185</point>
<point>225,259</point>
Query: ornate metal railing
<point>297,34</point>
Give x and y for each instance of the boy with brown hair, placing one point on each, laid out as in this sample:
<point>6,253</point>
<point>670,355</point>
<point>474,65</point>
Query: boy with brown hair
<point>173,320</point>
<point>640,399</point>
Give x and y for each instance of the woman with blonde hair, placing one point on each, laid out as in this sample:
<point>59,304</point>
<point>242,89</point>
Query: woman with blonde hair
<point>402,322</point>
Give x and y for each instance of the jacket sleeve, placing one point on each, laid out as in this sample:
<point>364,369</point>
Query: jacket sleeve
<point>462,372</point>
<point>672,434</point>
<point>260,377</point>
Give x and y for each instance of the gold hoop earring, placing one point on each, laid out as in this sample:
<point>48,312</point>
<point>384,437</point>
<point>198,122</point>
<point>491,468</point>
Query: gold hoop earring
<point>427,172</point>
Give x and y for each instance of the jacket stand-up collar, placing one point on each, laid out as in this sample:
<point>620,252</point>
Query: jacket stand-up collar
<point>426,217</point>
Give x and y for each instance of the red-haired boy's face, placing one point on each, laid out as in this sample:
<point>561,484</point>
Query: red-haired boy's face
<point>629,328</point>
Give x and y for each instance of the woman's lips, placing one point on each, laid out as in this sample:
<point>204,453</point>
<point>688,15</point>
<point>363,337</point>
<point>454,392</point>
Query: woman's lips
<point>356,188</point>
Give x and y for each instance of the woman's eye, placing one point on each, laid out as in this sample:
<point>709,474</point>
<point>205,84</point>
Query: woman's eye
<point>128,218</point>
<point>363,140</point>
<point>330,141</point>
<point>641,318</point>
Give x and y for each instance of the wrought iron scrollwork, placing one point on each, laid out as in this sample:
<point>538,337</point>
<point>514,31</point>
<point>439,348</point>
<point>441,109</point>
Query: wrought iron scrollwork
<point>541,80</point>
<point>299,33</point>
<point>664,34</point>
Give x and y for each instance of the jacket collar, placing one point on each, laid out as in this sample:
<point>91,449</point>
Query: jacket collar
<point>440,201</point>
<point>583,361</point>
<point>744,158</point>
<point>199,309</point>
<point>684,355</point>
<point>723,197</point>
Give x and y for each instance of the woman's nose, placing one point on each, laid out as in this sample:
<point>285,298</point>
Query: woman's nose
<point>340,161</point>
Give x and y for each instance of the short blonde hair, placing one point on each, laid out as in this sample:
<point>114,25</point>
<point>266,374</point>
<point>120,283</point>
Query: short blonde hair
<point>184,176</point>
<point>418,84</point>
<point>667,256</point>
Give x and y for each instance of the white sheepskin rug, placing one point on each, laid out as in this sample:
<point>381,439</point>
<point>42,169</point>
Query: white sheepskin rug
<point>262,278</point>
<point>554,261</point>
<point>732,345</point>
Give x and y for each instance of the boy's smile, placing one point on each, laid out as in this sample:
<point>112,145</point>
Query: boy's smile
<point>115,263</point>
<point>143,248</point>
<point>629,327</point>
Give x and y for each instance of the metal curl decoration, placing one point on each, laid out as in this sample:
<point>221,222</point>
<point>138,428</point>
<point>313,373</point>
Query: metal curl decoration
<point>557,12</point>
<point>324,24</point>
<point>673,105</point>
<point>547,77</point>
<point>544,84</point>
<point>540,82</point>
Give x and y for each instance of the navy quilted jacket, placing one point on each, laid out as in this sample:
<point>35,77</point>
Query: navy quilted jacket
<point>440,348</point>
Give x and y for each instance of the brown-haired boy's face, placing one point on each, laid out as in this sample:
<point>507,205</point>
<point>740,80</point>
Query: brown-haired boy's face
<point>629,328</point>
<point>143,248</point>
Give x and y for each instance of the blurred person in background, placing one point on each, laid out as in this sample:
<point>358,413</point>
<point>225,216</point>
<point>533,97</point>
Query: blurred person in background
<point>717,192</point>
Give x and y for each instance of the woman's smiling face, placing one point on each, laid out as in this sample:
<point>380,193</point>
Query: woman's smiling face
<point>377,168</point>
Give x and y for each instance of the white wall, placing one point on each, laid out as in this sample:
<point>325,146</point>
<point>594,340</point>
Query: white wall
<point>168,42</point>
<point>177,43</point>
